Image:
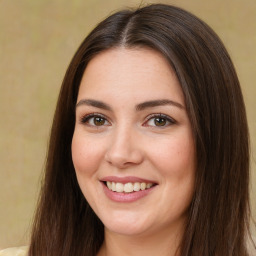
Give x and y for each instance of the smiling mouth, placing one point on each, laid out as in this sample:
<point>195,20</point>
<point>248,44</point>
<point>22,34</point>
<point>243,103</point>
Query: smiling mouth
<point>128,187</point>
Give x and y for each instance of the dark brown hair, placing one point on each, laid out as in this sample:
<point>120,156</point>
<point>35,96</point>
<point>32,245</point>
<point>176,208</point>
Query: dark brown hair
<point>218,218</point>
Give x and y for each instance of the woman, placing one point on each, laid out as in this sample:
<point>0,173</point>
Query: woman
<point>149,147</point>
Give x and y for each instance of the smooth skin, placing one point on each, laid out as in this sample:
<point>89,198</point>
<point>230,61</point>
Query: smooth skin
<point>131,120</point>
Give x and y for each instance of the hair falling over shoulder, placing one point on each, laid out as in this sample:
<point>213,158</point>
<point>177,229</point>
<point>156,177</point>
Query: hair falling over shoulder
<point>218,222</point>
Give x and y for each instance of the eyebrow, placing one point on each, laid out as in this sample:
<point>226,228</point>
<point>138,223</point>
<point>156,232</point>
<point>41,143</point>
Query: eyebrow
<point>94,103</point>
<point>157,103</point>
<point>139,107</point>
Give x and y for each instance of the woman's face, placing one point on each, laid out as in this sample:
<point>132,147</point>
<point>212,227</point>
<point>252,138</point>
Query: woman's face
<point>132,148</point>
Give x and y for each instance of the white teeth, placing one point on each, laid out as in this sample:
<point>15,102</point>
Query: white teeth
<point>136,186</point>
<point>109,184</point>
<point>149,185</point>
<point>143,186</point>
<point>113,186</point>
<point>119,187</point>
<point>128,187</point>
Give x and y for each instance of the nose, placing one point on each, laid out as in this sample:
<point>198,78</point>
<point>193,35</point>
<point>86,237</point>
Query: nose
<point>124,149</point>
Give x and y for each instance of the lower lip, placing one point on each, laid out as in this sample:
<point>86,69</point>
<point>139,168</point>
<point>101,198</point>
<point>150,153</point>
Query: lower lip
<point>126,197</point>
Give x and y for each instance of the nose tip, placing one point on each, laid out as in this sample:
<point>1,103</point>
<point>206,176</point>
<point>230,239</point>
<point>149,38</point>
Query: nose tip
<point>121,160</point>
<point>123,152</point>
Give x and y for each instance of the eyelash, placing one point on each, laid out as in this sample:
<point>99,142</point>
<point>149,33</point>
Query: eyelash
<point>170,121</point>
<point>85,119</point>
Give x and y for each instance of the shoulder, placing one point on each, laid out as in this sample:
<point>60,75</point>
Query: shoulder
<point>15,251</point>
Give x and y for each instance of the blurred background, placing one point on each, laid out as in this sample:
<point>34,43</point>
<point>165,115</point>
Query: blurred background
<point>37,40</point>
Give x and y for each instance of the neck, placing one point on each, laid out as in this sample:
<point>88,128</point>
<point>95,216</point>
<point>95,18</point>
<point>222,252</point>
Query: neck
<point>164,243</point>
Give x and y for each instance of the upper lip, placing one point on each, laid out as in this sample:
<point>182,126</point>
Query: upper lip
<point>126,179</point>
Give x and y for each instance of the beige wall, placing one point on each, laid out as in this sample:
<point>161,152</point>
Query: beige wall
<point>37,41</point>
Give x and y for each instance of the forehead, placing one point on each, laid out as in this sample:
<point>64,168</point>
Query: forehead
<point>140,72</point>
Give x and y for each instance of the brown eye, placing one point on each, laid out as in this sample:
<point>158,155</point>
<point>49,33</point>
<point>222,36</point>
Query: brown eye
<point>95,120</point>
<point>98,121</point>
<point>159,121</point>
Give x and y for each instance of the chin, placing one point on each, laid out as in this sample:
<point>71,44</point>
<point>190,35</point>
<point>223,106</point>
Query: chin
<point>125,229</point>
<point>126,225</point>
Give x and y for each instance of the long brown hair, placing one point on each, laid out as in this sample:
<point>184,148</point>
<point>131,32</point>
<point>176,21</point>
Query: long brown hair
<point>217,225</point>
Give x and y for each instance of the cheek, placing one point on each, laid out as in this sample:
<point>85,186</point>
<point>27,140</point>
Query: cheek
<point>176,166</point>
<point>175,157</point>
<point>86,155</point>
